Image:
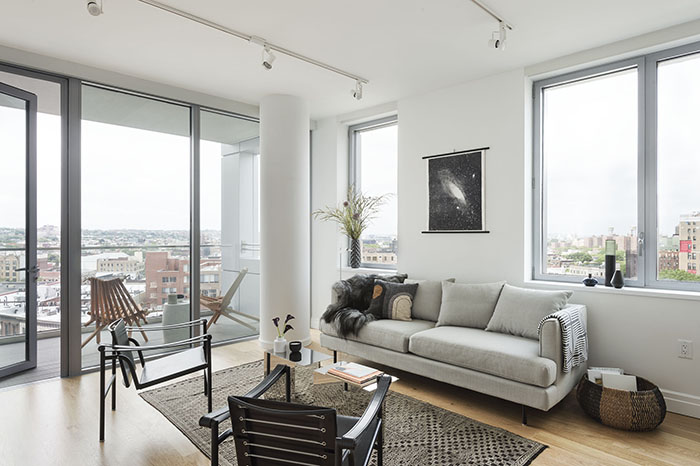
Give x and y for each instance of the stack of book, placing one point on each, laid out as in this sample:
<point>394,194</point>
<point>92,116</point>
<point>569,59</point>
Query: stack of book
<point>355,373</point>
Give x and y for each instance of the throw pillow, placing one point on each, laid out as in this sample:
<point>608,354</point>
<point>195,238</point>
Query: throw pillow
<point>519,310</point>
<point>426,304</point>
<point>468,305</point>
<point>392,300</point>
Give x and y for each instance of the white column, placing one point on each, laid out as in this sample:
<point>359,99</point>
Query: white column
<point>284,216</point>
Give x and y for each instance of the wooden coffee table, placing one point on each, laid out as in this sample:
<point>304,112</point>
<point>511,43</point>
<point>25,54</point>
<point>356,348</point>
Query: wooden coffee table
<point>321,375</point>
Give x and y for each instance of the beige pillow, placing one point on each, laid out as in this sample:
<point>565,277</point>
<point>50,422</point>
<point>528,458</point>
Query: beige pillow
<point>468,305</point>
<point>519,310</point>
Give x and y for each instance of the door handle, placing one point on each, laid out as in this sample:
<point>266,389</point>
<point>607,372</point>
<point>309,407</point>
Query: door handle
<point>33,270</point>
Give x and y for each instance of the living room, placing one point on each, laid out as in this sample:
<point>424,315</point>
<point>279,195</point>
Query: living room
<point>151,169</point>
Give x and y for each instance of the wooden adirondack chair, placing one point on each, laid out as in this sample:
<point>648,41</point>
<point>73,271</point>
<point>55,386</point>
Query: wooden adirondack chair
<point>220,306</point>
<point>109,302</point>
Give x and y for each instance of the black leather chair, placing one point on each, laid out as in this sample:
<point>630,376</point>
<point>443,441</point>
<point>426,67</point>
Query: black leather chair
<point>156,371</point>
<point>270,432</point>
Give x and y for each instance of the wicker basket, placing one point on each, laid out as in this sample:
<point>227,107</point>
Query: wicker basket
<point>642,410</point>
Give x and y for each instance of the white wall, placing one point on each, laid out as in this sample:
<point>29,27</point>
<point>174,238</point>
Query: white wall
<point>634,330</point>
<point>482,113</point>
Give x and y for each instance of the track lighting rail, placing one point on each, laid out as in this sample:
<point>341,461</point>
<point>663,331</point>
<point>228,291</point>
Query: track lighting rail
<point>255,39</point>
<point>493,14</point>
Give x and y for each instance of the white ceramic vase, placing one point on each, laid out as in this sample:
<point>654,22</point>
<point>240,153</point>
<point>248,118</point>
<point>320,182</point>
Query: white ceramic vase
<point>280,345</point>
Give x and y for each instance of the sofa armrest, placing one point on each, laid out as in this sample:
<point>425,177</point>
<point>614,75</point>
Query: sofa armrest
<point>550,337</point>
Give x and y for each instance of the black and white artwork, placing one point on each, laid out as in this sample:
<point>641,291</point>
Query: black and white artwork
<point>456,192</point>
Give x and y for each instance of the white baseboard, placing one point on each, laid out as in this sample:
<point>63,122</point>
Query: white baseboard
<point>682,403</point>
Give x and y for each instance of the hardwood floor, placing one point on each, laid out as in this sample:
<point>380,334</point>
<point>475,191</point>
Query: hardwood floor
<point>55,423</point>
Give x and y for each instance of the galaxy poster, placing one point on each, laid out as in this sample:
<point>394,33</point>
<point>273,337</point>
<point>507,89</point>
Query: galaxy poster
<point>455,192</point>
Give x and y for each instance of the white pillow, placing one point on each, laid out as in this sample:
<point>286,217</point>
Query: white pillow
<point>426,303</point>
<point>519,311</point>
<point>467,305</point>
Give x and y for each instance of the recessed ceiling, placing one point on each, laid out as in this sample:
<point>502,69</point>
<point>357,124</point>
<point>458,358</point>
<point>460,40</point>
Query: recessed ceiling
<point>404,47</point>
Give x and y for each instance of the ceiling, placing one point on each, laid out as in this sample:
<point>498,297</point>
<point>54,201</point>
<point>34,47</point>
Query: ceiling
<point>404,47</point>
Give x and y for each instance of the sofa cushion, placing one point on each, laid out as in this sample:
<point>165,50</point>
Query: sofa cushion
<point>426,304</point>
<point>519,310</point>
<point>389,334</point>
<point>506,356</point>
<point>467,305</point>
<point>392,300</point>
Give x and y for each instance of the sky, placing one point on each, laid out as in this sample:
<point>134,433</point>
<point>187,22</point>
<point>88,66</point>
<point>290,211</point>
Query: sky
<point>131,178</point>
<point>378,150</point>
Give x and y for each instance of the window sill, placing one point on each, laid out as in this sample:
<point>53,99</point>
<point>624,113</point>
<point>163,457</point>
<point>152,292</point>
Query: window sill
<point>627,291</point>
<point>367,270</point>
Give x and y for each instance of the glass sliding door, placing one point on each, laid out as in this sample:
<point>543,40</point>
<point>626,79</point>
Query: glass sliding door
<point>135,165</point>
<point>49,142</point>
<point>229,225</point>
<point>18,267</point>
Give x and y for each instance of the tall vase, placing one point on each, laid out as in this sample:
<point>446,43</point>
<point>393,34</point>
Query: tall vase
<point>355,253</point>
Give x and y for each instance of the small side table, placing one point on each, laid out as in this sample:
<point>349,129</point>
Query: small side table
<point>308,357</point>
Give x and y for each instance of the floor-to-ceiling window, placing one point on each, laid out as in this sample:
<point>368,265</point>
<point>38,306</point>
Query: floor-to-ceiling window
<point>135,189</point>
<point>230,228</point>
<point>133,158</point>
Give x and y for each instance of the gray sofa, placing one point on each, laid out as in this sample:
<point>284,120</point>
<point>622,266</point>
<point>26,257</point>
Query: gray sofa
<point>515,368</point>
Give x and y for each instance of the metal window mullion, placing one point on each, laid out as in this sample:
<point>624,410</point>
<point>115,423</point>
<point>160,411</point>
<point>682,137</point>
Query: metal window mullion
<point>195,127</point>
<point>71,356</point>
<point>642,188</point>
<point>538,185</point>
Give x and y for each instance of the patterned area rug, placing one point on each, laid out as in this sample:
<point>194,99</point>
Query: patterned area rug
<point>416,433</point>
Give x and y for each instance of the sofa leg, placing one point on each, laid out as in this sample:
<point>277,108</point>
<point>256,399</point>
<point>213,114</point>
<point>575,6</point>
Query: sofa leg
<point>335,356</point>
<point>524,408</point>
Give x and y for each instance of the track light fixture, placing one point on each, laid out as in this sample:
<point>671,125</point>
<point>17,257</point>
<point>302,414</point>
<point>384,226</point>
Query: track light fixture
<point>94,8</point>
<point>357,92</point>
<point>268,58</point>
<point>498,38</point>
<point>268,48</point>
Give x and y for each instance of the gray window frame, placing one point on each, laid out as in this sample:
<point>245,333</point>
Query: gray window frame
<point>647,208</point>
<point>354,164</point>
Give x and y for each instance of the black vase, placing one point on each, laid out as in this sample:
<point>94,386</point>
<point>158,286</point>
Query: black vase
<point>355,253</point>
<point>617,280</point>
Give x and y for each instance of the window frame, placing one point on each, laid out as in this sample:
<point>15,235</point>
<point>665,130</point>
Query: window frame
<point>354,170</point>
<point>647,183</point>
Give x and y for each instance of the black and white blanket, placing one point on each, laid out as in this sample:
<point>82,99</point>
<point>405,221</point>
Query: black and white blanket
<point>574,337</point>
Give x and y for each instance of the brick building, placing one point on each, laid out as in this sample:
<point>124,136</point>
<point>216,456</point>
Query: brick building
<point>165,275</point>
